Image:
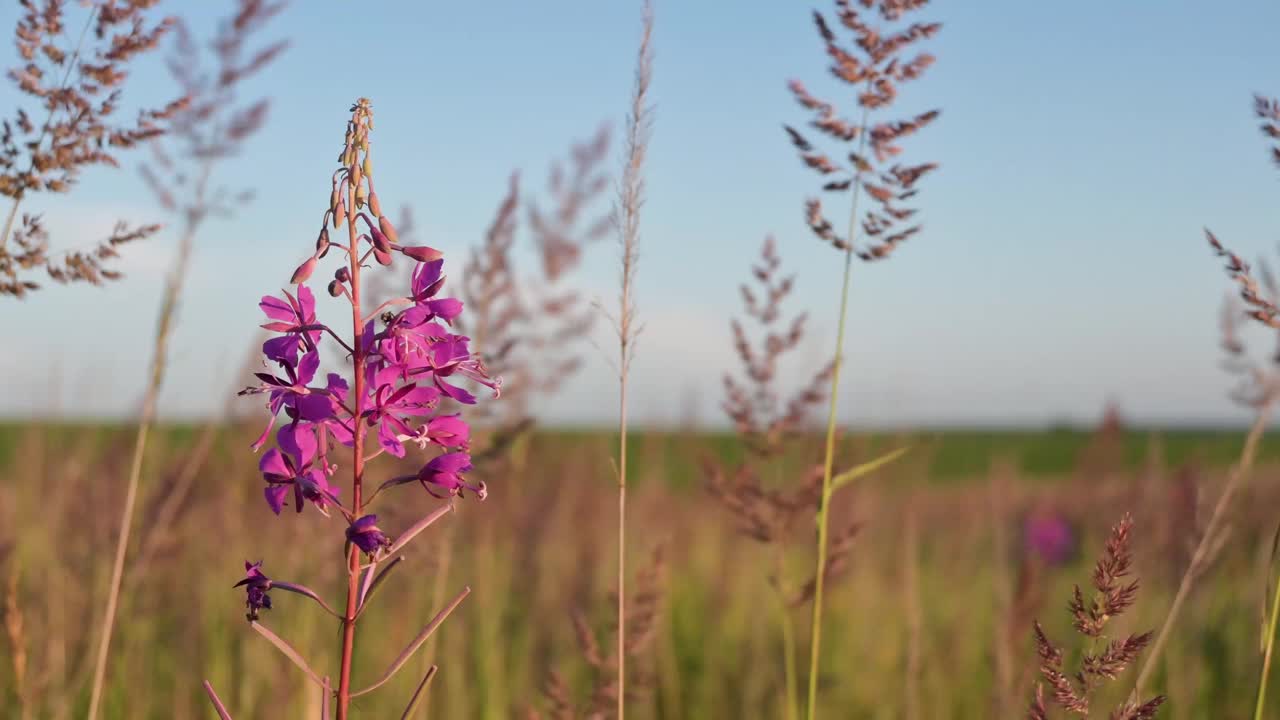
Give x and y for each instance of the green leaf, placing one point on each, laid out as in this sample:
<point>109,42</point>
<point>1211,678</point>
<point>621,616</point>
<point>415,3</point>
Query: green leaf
<point>865,468</point>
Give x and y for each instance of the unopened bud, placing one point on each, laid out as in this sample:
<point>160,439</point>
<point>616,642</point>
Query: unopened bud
<point>367,167</point>
<point>388,229</point>
<point>340,213</point>
<point>374,205</point>
<point>361,196</point>
<point>343,274</point>
<point>356,176</point>
<point>335,288</point>
<point>322,243</point>
<point>383,257</point>
<point>422,253</point>
<point>303,272</point>
<point>379,240</point>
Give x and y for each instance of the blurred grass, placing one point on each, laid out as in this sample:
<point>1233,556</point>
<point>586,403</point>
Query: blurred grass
<point>541,547</point>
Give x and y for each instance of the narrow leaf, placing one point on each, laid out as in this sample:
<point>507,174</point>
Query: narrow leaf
<point>415,644</point>
<point>866,468</point>
<point>418,527</point>
<point>288,651</point>
<point>305,592</point>
<point>413,701</point>
<point>377,582</point>
<point>217,703</point>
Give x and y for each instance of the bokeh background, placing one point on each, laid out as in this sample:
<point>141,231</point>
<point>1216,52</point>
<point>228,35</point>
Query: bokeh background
<point>1048,348</point>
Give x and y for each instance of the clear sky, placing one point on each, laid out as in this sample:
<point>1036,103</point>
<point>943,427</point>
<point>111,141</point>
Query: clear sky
<point>1083,146</point>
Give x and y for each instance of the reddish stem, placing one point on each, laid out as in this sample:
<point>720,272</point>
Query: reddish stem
<point>357,361</point>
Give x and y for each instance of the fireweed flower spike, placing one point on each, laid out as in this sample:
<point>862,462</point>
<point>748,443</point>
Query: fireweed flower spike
<point>399,364</point>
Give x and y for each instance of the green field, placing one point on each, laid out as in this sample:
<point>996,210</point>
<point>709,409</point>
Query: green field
<point>930,619</point>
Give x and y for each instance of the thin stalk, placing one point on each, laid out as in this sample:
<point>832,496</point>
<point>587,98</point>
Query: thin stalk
<point>631,198</point>
<point>622,526</point>
<point>357,474</point>
<point>788,640</point>
<point>1201,555</point>
<point>1260,701</point>
<point>828,463</point>
<point>168,310</point>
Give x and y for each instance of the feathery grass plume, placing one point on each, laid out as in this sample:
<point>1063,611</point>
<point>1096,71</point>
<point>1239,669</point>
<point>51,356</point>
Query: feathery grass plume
<point>528,329</point>
<point>400,376</point>
<point>766,422</point>
<point>877,66</point>
<point>626,219</point>
<point>644,608</point>
<point>1106,657</point>
<point>78,88</point>
<point>208,128</point>
<point>1258,393</point>
<point>1268,111</point>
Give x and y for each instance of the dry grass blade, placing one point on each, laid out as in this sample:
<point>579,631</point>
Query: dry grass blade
<point>413,646</point>
<point>288,651</point>
<point>218,707</point>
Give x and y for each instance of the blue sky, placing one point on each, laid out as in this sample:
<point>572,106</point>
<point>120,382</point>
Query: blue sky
<point>1083,147</point>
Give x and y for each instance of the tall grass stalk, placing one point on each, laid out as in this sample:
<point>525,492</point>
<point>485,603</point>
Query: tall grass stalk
<point>1267,646</point>
<point>1208,542</point>
<point>160,351</point>
<point>828,461</point>
<point>627,217</point>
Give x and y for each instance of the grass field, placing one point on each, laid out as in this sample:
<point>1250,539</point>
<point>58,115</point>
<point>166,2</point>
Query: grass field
<point>930,612</point>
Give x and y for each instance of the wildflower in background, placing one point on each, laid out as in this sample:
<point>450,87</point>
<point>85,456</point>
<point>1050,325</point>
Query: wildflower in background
<point>256,585</point>
<point>1049,534</point>
<point>364,533</point>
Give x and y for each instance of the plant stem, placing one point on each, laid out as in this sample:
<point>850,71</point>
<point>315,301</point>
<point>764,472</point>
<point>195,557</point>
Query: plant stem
<point>357,464</point>
<point>828,463</point>
<point>1200,557</point>
<point>622,521</point>
<point>168,310</point>
<point>1260,702</point>
<point>788,638</point>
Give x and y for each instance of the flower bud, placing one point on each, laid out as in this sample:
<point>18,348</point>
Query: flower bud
<point>304,271</point>
<point>374,205</point>
<point>383,257</point>
<point>367,167</point>
<point>322,243</point>
<point>335,288</point>
<point>340,213</point>
<point>343,274</point>
<point>387,228</point>
<point>379,240</point>
<point>356,176</point>
<point>422,253</point>
<point>362,196</point>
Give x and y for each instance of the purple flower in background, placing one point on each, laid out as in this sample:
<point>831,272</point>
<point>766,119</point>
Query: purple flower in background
<point>364,533</point>
<point>445,471</point>
<point>256,584</point>
<point>295,467</point>
<point>1048,533</point>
